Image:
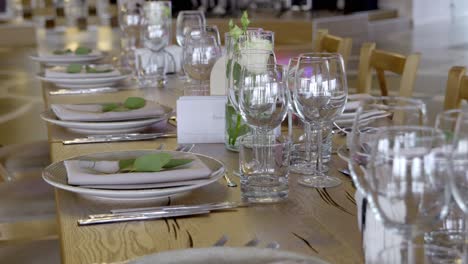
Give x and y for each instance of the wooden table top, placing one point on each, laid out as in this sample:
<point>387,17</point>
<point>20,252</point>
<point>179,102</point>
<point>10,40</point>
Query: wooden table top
<point>318,222</point>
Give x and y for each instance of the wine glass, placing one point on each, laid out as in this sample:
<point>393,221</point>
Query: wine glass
<point>199,55</point>
<point>240,59</point>
<point>373,114</point>
<point>407,183</point>
<point>263,100</point>
<point>206,29</point>
<point>156,25</point>
<point>319,95</point>
<point>427,254</point>
<point>263,104</point>
<point>187,20</point>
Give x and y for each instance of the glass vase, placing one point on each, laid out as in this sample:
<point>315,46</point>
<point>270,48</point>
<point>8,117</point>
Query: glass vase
<point>235,128</point>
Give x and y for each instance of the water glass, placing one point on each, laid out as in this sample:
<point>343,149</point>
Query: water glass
<point>264,168</point>
<point>423,254</point>
<point>459,179</point>
<point>150,68</point>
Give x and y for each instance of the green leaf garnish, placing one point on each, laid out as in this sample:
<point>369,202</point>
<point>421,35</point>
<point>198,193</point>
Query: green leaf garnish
<point>151,162</point>
<point>126,164</point>
<point>82,51</point>
<point>109,107</point>
<point>245,21</point>
<point>176,163</point>
<point>74,68</point>
<point>90,69</point>
<point>134,102</point>
<point>235,32</point>
<point>62,52</point>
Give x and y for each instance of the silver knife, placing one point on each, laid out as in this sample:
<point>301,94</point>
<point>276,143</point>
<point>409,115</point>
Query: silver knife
<point>138,217</point>
<point>168,209</point>
<point>118,138</point>
<point>83,91</point>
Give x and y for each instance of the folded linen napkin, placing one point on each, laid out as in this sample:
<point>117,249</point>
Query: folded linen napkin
<point>61,72</point>
<point>94,112</point>
<point>79,173</point>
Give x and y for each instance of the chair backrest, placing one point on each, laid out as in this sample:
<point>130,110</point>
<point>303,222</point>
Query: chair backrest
<point>324,42</point>
<point>457,88</point>
<point>382,61</point>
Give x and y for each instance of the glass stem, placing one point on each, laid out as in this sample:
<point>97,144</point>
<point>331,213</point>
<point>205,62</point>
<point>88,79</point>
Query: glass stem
<point>319,149</point>
<point>308,147</point>
<point>290,125</point>
<point>465,245</point>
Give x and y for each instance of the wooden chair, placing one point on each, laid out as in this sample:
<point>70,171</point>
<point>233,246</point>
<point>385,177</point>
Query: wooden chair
<point>324,42</point>
<point>381,61</point>
<point>457,88</point>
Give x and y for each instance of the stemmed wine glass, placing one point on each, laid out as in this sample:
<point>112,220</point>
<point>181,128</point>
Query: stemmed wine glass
<point>263,104</point>
<point>199,56</point>
<point>156,25</point>
<point>211,30</point>
<point>372,115</point>
<point>319,95</point>
<point>240,59</point>
<point>187,20</point>
<point>263,100</point>
<point>407,183</point>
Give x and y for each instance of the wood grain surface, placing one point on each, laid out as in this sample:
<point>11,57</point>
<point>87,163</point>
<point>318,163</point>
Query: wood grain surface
<point>319,222</point>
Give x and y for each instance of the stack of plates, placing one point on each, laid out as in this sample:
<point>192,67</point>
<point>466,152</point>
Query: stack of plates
<point>56,175</point>
<point>59,76</point>
<point>106,127</point>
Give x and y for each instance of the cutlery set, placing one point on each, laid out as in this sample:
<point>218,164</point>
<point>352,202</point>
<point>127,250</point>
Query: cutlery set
<point>118,138</point>
<point>136,214</point>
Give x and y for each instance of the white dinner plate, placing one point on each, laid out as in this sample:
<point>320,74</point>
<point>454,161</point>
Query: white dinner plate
<point>105,127</point>
<point>84,82</point>
<point>227,255</point>
<point>56,175</point>
<point>66,59</point>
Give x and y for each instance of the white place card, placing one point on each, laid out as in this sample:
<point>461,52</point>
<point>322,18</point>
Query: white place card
<point>201,119</point>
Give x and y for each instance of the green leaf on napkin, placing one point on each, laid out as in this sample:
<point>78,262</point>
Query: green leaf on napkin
<point>176,163</point>
<point>82,51</point>
<point>109,107</point>
<point>90,69</point>
<point>61,52</point>
<point>126,165</point>
<point>134,102</point>
<point>152,162</point>
<point>74,68</point>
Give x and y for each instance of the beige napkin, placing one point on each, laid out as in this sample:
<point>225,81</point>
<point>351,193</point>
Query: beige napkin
<point>61,72</point>
<point>79,173</point>
<point>93,112</point>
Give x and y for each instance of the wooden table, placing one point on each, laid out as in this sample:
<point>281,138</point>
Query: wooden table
<point>319,222</point>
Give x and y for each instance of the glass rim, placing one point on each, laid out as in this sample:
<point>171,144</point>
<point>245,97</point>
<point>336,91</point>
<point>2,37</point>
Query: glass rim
<point>261,31</point>
<point>187,11</point>
<point>318,56</point>
<point>447,115</point>
<point>415,103</point>
<point>438,133</point>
